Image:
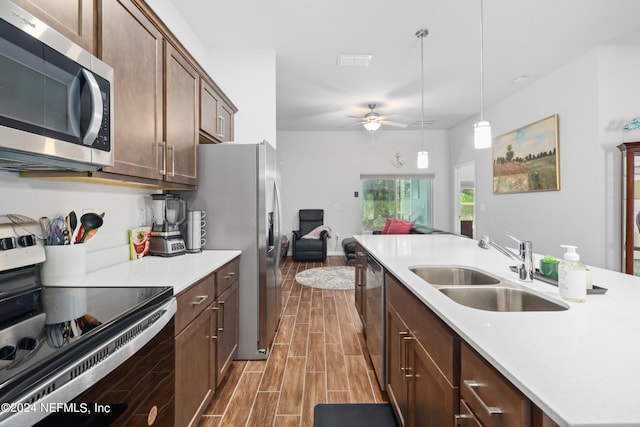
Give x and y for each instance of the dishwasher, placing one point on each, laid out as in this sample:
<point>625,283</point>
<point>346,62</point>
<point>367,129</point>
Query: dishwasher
<point>375,315</point>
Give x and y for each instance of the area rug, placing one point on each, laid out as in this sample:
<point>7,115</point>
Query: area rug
<point>327,277</point>
<point>354,415</point>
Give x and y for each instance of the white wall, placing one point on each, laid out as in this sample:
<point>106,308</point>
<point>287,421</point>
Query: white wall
<point>170,15</point>
<point>589,94</point>
<point>322,170</point>
<point>36,198</point>
<point>248,77</point>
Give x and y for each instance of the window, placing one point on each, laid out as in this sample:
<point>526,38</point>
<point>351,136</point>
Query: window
<point>466,203</point>
<point>408,198</point>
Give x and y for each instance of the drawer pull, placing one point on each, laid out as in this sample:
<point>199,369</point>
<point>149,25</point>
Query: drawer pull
<point>471,386</point>
<point>463,416</point>
<point>199,299</point>
<point>463,420</point>
<point>407,368</point>
<point>230,275</point>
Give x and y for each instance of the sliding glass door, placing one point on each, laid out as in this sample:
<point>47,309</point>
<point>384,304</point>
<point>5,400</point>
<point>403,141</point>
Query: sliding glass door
<point>408,198</point>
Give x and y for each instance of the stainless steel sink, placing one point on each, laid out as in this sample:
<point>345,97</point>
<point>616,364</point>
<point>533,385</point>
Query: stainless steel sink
<point>454,276</point>
<point>497,298</point>
<point>477,289</point>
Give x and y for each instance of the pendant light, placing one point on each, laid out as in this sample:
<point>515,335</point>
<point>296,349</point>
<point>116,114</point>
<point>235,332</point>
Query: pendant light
<point>423,155</point>
<point>482,129</point>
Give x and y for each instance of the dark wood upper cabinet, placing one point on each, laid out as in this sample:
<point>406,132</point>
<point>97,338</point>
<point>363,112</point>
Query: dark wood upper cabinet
<point>216,115</point>
<point>182,90</point>
<point>158,116</point>
<point>132,45</point>
<point>74,19</point>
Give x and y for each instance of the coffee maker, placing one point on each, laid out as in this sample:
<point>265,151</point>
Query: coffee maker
<point>169,212</point>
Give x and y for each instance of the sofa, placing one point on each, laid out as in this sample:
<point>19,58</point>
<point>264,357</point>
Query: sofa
<point>349,243</point>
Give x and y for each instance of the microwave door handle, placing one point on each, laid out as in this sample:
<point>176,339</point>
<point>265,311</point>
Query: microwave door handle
<point>96,105</point>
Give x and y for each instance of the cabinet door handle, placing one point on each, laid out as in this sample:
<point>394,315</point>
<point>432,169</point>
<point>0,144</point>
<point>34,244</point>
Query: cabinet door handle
<point>471,386</point>
<point>172,149</point>
<point>407,369</point>
<point>199,299</point>
<point>221,304</point>
<point>220,127</point>
<point>162,145</point>
<point>402,349</point>
<point>213,337</point>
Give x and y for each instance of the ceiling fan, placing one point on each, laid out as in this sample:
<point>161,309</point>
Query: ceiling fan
<point>372,120</point>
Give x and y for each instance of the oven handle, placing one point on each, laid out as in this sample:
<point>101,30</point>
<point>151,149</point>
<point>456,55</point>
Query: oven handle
<point>69,389</point>
<point>97,109</point>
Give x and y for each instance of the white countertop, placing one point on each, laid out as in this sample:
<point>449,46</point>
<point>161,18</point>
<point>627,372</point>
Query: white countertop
<point>178,271</point>
<point>580,366</point>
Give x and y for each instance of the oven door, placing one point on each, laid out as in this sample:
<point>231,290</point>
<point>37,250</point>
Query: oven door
<point>51,103</point>
<point>128,380</point>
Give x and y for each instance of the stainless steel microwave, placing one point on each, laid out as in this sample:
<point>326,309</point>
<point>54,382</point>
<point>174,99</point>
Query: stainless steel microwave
<point>56,99</point>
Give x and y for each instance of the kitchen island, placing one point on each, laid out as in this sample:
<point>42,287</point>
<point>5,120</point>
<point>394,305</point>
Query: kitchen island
<point>579,366</point>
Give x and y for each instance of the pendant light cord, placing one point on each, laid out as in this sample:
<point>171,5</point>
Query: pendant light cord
<point>422,82</point>
<point>422,34</point>
<point>481,61</point>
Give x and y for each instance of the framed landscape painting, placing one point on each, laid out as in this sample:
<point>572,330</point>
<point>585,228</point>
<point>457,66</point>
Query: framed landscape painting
<point>527,159</point>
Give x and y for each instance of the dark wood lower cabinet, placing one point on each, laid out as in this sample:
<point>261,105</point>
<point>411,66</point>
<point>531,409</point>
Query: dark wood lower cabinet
<point>206,341</point>
<point>432,399</point>
<point>420,393</point>
<point>422,354</point>
<point>227,342</point>
<point>194,365</point>
<point>397,389</point>
<point>436,379</point>
<point>491,398</point>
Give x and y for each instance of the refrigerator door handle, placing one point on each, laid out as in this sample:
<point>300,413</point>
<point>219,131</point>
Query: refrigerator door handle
<point>276,223</point>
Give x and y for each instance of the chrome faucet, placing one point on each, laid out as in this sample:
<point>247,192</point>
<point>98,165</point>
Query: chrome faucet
<point>524,258</point>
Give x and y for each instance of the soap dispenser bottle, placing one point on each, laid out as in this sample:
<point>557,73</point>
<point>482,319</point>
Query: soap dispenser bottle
<point>572,276</point>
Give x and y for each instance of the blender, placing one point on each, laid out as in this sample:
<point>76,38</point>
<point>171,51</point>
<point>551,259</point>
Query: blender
<point>169,212</point>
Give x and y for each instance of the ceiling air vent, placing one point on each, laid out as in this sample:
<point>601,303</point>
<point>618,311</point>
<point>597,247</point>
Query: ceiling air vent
<point>353,60</point>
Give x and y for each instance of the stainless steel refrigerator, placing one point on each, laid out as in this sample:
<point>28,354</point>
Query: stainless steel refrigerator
<point>238,190</point>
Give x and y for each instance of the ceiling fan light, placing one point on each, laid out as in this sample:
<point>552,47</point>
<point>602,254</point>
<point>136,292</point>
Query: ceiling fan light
<point>482,134</point>
<point>371,126</point>
<point>423,159</point>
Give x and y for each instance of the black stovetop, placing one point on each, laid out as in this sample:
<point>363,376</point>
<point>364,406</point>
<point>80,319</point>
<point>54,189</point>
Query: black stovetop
<point>41,327</point>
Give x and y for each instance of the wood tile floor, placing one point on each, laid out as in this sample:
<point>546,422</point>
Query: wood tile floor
<point>318,356</point>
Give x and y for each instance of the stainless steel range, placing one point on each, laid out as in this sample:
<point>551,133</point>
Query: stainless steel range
<point>64,350</point>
